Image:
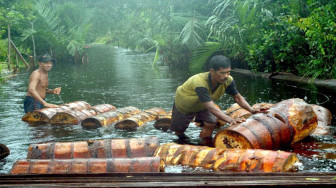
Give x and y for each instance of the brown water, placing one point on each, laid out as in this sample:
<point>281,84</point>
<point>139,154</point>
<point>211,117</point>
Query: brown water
<point>126,78</point>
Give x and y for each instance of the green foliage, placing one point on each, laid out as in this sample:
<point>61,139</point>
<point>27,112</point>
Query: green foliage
<point>200,56</point>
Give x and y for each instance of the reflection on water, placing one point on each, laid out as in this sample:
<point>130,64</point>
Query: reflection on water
<point>123,78</point>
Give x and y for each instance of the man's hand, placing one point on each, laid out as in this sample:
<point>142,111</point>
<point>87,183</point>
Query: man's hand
<point>259,110</point>
<point>57,91</point>
<point>237,121</point>
<point>49,105</point>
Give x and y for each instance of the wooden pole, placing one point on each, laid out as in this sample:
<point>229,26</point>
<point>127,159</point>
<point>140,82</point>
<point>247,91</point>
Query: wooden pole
<point>34,49</point>
<point>9,57</point>
<point>19,54</point>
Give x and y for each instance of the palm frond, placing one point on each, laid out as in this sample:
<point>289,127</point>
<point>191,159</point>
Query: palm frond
<point>191,34</point>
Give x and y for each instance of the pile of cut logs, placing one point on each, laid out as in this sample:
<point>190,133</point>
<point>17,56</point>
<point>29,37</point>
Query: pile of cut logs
<point>251,146</point>
<point>81,112</point>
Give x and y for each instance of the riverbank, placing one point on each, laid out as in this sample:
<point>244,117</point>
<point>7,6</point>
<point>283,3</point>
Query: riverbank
<point>288,77</point>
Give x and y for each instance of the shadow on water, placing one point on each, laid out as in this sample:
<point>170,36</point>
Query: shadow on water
<point>125,78</point>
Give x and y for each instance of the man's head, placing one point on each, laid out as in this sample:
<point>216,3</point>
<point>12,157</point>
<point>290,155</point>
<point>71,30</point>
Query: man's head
<point>45,62</point>
<point>220,67</point>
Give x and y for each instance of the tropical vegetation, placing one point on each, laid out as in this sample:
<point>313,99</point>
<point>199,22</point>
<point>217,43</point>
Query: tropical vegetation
<point>296,36</point>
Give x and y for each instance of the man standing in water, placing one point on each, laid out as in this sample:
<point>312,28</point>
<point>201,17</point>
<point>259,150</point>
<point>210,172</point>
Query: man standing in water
<point>38,86</point>
<point>195,99</point>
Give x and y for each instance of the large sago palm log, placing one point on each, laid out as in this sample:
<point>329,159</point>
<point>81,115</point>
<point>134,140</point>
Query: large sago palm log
<point>237,160</point>
<point>110,117</point>
<point>285,123</point>
<point>44,115</point>
<point>75,117</point>
<point>137,120</point>
<point>86,166</point>
<point>163,122</point>
<point>108,148</point>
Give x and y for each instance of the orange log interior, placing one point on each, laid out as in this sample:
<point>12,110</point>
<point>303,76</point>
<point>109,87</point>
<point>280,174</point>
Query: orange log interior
<point>110,117</point>
<point>85,166</point>
<point>237,160</point>
<point>108,148</point>
<point>44,115</point>
<point>137,120</point>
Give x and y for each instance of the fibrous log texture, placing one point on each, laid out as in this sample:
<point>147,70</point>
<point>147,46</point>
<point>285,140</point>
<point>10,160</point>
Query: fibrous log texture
<point>109,148</point>
<point>137,120</point>
<point>75,117</point>
<point>108,118</point>
<point>44,115</point>
<point>86,166</point>
<point>285,123</point>
<point>237,160</point>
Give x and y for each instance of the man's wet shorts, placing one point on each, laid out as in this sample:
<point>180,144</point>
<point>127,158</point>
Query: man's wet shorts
<point>30,104</point>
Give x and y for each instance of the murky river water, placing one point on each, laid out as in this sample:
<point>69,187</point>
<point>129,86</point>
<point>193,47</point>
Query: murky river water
<point>124,78</point>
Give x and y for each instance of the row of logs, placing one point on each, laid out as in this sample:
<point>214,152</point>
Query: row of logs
<point>80,112</point>
<point>145,155</point>
<point>92,156</point>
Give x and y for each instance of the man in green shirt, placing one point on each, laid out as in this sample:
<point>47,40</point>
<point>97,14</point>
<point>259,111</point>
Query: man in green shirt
<point>195,99</point>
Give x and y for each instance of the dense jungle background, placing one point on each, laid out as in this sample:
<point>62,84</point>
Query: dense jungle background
<point>296,36</point>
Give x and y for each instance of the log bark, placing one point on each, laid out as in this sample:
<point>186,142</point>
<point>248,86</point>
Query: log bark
<point>4,151</point>
<point>44,115</point>
<point>110,117</point>
<point>138,120</point>
<point>75,117</point>
<point>108,148</point>
<point>238,160</point>
<point>86,166</point>
<point>286,122</point>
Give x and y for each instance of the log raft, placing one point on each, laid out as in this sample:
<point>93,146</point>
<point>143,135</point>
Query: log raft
<point>108,148</point>
<point>75,117</point>
<point>163,122</point>
<point>44,115</point>
<point>286,122</point>
<point>110,117</point>
<point>237,160</point>
<point>137,120</point>
<point>84,166</point>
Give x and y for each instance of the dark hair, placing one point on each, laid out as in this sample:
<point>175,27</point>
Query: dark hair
<point>219,61</point>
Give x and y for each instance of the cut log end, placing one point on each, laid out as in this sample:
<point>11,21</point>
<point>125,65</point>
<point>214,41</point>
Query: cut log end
<point>228,139</point>
<point>4,151</point>
<point>126,125</point>
<point>35,117</point>
<point>63,118</point>
<point>163,124</point>
<point>91,123</point>
<point>291,164</point>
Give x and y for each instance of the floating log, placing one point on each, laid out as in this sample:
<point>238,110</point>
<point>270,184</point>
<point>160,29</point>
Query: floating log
<point>237,160</point>
<point>109,148</point>
<point>75,117</point>
<point>86,166</point>
<point>44,115</point>
<point>137,120</point>
<point>286,122</point>
<point>324,117</point>
<point>110,117</point>
<point>164,121</point>
<point>4,151</point>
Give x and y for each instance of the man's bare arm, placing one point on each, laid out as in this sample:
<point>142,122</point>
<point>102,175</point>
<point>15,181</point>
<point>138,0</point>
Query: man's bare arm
<point>240,100</point>
<point>219,114</point>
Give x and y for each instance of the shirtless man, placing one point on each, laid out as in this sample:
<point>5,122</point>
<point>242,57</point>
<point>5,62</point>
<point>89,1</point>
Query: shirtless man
<point>38,86</point>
